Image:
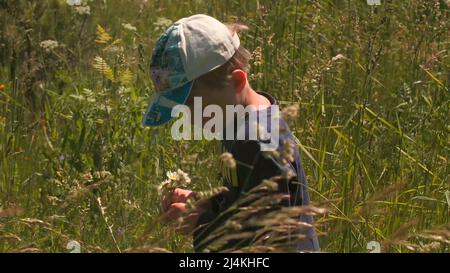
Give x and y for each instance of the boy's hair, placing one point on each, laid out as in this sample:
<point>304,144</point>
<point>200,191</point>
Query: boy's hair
<point>217,78</point>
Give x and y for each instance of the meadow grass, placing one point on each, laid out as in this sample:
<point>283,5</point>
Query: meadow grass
<point>371,84</point>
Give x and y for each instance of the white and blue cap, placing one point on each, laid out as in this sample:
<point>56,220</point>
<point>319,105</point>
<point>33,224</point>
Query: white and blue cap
<point>189,48</point>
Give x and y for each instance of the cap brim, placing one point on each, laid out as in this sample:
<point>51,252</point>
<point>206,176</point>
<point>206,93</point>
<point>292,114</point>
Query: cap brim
<point>160,108</point>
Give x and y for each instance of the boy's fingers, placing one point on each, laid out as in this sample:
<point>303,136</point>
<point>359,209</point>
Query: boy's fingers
<point>181,195</point>
<point>176,196</point>
<point>174,212</point>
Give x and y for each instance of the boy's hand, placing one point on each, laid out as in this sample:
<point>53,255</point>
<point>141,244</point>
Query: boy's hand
<point>189,218</point>
<point>177,196</point>
<point>173,207</point>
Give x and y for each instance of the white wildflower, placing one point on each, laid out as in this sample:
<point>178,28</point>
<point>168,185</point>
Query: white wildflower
<point>183,178</point>
<point>49,45</point>
<point>83,10</point>
<point>162,23</point>
<point>174,180</point>
<point>129,26</point>
<point>171,175</point>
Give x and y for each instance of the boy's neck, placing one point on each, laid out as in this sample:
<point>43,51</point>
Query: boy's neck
<point>255,99</point>
<point>252,98</point>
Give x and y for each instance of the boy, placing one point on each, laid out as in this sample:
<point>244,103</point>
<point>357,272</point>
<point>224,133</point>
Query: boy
<point>200,57</point>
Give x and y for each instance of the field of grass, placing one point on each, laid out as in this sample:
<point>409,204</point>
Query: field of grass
<point>371,83</point>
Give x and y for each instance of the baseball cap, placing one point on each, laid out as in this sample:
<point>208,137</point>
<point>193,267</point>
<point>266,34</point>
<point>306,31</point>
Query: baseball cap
<point>189,48</point>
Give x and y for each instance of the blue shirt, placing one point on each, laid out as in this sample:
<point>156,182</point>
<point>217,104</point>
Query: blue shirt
<point>252,167</point>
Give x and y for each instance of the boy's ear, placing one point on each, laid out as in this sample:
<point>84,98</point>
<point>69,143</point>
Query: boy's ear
<point>239,79</point>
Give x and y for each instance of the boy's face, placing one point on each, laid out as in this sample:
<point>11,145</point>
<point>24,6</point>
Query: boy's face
<point>209,97</point>
<point>221,97</point>
<point>230,95</point>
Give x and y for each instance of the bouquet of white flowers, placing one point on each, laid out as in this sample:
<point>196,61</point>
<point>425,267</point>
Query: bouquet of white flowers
<point>174,180</point>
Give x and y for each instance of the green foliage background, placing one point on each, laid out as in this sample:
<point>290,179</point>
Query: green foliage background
<point>371,82</point>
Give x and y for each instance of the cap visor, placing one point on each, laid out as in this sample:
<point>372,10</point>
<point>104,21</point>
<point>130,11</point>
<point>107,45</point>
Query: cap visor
<point>160,108</point>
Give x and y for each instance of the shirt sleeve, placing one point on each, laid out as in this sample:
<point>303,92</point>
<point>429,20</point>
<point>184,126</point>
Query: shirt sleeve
<point>252,167</point>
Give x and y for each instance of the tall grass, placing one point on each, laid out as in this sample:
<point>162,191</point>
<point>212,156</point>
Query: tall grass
<point>371,83</point>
